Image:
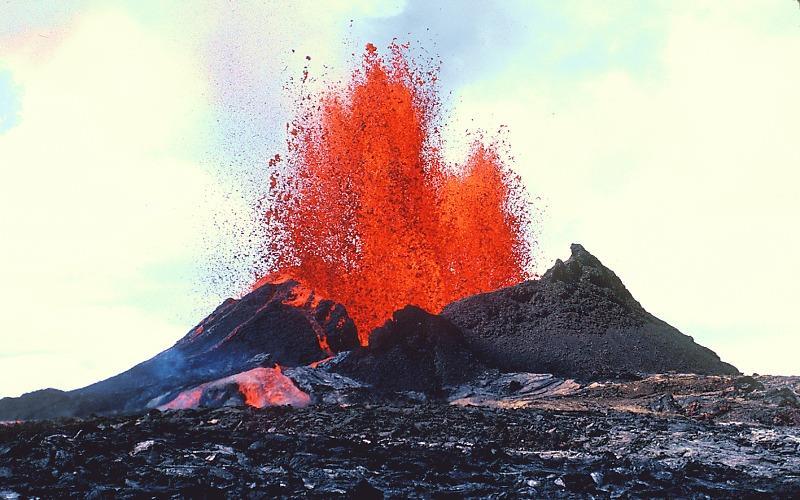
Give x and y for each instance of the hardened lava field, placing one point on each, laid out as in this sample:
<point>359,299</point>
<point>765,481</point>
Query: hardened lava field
<point>586,444</point>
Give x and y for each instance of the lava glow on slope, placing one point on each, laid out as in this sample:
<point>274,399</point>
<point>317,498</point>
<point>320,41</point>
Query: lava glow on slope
<point>258,387</point>
<point>365,211</point>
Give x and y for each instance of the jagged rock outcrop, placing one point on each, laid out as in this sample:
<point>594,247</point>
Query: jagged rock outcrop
<point>280,323</point>
<point>414,351</point>
<point>578,320</point>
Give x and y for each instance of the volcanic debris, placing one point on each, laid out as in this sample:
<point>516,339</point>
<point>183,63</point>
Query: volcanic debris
<point>414,351</point>
<point>428,450</point>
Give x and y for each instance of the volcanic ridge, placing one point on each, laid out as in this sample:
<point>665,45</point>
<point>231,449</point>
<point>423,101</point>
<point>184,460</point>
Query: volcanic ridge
<point>577,322</point>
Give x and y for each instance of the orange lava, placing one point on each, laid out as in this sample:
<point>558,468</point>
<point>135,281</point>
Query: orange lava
<point>186,399</point>
<point>259,387</point>
<point>270,387</point>
<point>366,212</point>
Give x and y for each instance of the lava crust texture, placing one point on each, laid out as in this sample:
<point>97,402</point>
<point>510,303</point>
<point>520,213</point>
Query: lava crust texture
<point>414,351</point>
<point>417,451</point>
<point>578,321</point>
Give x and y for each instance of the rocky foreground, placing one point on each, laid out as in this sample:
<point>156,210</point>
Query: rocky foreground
<point>666,435</point>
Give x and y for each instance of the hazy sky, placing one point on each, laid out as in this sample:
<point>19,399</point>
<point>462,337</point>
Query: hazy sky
<point>133,135</point>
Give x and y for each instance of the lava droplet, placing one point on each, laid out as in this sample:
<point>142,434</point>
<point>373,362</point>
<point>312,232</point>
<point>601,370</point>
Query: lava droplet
<point>367,213</point>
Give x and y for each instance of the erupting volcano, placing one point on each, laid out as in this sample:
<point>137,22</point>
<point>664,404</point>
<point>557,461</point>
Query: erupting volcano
<point>392,271</point>
<point>366,212</point>
<point>388,337</point>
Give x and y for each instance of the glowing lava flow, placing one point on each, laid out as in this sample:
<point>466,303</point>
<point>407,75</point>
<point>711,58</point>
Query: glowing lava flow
<point>367,214</point>
<point>258,387</point>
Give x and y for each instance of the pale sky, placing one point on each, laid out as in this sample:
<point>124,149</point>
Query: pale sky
<point>133,138</point>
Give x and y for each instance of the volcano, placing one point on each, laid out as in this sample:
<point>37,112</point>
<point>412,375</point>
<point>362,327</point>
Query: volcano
<point>273,395</point>
<point>393,342</point>
<point>274,346</point>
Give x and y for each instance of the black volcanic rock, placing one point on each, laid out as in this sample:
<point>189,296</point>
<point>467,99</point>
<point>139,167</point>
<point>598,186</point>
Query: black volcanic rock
<point>283,320</point>
<point>578,321</point>
<point>429,450</point>
<point>276,323</point>
<point>414,351</point>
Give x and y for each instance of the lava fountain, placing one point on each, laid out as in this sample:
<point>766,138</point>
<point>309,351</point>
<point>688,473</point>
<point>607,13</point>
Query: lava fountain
<point>365,211</point>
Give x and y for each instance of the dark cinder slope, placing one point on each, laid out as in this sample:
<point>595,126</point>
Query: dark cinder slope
<point>276,323</point>
<point>578,321</point>
<point>414,351</point>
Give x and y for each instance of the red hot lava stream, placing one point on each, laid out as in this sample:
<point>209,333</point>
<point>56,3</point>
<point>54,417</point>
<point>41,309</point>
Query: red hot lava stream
<point>366,212</point>
<point>258,387</point>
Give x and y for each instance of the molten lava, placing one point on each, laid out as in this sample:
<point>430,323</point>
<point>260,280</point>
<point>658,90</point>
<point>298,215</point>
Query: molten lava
<point>367,213</point>
<point>258,387</point>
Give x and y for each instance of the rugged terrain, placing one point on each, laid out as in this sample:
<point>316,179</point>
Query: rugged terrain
<point>414,351</point>
<point>578,320</point>
<point>280,323</point>
<point>562,386</point>
<point>666,436</point>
